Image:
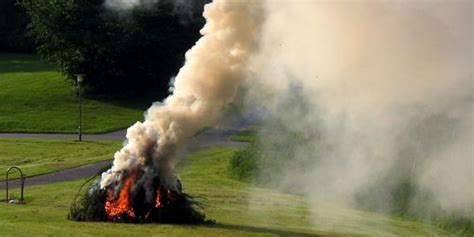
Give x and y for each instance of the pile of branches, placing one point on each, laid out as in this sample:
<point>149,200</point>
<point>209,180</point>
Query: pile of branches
<point>90,206</point>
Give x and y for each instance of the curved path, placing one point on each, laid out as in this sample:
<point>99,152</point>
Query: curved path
<point>214,137</point>
<point>116,135</point>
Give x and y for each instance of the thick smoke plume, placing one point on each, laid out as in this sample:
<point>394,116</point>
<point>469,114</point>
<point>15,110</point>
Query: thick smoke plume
<point>203,88</point>
<point>377,93</point>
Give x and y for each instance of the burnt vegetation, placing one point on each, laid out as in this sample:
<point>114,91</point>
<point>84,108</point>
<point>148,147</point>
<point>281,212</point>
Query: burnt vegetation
<point>135,199</point>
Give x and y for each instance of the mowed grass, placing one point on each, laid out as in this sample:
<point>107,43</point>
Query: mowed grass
<point>240,209</point>
<point>39,156</point>
<point>36,97</point>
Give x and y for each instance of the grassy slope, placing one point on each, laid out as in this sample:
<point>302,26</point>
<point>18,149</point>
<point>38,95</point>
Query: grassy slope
<point>35,97</point>
<point>239,208</point>
<point>38,156</point>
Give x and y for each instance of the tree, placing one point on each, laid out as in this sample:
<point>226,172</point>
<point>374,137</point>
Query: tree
<point>13,21</point>
<point>121,53</point>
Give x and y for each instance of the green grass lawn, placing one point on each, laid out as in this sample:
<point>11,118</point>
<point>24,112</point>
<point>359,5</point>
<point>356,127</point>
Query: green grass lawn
<point>39,156</point>
<point>240,209</point>
<point>36,97</point>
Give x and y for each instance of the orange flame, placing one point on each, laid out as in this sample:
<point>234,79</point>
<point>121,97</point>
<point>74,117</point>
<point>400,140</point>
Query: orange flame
<point>158,203</point>
<point>116,208</point>
<point>121,206</point>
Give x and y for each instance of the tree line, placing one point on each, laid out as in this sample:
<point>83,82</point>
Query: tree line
<point>121,52</point>
<point>13,28</point>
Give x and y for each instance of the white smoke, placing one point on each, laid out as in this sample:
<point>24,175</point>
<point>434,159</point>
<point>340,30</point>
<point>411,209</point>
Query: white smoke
<point>183,7</point>
<point>204,86</point>
<point>387,91</point>
<point>127,4</point>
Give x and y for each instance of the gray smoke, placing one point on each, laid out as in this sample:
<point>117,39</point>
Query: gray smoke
<point>375,93</point>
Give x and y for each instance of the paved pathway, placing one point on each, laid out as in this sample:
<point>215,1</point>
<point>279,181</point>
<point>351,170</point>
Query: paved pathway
<point>214,137</point>
<point>116,135</point>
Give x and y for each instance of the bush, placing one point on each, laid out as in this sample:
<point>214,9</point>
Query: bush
<point>244,164</point>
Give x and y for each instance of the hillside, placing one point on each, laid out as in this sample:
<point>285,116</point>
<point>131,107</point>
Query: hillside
<point>35,97</point>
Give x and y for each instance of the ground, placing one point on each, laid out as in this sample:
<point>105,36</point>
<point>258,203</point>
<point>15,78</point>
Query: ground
<point>39,156</point>
<point>36,97</point>
<point>240,209</point>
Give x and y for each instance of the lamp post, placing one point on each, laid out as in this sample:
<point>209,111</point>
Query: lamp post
<point>79,80</point>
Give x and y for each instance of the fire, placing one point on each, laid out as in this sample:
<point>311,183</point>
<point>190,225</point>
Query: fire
<point>116,208</point>
<point>158,203</point>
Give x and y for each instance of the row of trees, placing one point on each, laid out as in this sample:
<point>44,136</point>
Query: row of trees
<point>122,52</point>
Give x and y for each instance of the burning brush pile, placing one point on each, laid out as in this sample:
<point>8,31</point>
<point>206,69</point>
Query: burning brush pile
<point>140,197</point>
<point>142,185</point>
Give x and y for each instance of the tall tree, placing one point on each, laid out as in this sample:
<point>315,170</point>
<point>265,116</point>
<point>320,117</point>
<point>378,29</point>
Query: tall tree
<point>122,53</point>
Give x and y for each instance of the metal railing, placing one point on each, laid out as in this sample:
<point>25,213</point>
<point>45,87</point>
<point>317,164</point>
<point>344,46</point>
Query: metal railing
<point>22,183</point>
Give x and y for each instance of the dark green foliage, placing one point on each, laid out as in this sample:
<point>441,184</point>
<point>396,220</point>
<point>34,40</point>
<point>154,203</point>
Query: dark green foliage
<point>459,225</point>
<point>90,206</point>
<point>13,32</point>
<point>121,53</point>
<point>244,163</point>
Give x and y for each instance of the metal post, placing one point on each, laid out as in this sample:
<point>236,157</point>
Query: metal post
<point>79,80</point>
<point>22,200</point>
<point>6,186</point>
<point>80,111</point>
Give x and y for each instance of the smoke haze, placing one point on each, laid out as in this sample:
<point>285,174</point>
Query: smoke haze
<point>379,93</point>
